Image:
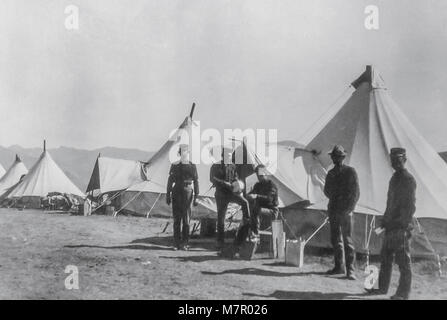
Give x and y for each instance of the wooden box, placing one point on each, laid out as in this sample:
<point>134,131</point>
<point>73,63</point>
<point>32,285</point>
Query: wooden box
<point>295,252</point>
<point>278,242</point>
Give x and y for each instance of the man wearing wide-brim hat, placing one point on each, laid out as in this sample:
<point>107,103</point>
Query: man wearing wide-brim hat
<point>342,189</point>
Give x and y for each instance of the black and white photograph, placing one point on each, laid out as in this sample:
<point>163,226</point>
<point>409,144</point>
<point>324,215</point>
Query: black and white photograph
<point>240,151</point>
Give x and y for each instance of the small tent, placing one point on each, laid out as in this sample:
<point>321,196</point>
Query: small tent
<point>367,126</point>
<point>110,175</point>
<point>44,177</point>
<point>12,175</point>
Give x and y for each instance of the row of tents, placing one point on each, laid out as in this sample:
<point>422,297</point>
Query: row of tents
<point>368,124</point>
<point>26,189</point>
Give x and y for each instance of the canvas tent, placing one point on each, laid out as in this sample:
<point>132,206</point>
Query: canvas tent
<point>149,196</point>
<point>297,173</point>
<point>368,125</point>
<point>44,177</point>
<point>110,175</point>
<point>12,176</point>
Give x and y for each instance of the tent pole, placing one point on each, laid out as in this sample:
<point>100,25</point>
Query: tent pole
<point>316,231</point>
<point>192,110</point>
<point>155,202</point>
<point>366,231</point>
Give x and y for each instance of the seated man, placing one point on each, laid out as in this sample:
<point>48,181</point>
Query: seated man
<point>263,199</point>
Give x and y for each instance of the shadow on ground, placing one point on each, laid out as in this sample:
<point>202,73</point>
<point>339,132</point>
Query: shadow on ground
<point>307,295</point>
<point>130,247</point>
<point>195,258</point>
<point>154,243</point>
<point>254,272</point>
<point>198,243</point>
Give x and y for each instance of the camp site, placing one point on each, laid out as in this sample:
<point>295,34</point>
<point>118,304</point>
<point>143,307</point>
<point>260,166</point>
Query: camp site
<point>193,150</point>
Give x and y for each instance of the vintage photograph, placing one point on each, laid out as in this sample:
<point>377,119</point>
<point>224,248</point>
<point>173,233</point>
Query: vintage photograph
<point>249,150</point>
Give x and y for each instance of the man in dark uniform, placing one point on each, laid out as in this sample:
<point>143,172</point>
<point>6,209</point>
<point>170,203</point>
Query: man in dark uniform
<point>398,223</point>
<point>183,185</point>
<point>222,175</point>
<point>342,189</point>
<point>263,199</point>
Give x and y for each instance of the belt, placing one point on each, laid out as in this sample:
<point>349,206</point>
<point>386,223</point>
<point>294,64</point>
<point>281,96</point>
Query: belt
<point>185,183</point>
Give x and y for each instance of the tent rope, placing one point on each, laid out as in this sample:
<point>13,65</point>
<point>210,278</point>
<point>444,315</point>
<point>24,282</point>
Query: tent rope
<point>435,254</point>
<point>127,203</point>
<point>155,202</point>
<point>368,240</point>
<point>110,199</point>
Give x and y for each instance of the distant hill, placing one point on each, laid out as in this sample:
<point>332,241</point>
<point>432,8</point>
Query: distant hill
<point>76,163</point>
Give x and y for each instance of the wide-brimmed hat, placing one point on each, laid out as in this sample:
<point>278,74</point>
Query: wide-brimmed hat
<point>338,150</point>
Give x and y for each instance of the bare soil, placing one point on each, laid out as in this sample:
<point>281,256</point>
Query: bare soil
<point>130,258</point>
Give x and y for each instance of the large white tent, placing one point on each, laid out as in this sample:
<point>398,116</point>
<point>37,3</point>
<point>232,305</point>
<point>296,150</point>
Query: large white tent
<point>297,173</point>
<point>367,126</point>
<point>12,175</point>
<point>44,177</point>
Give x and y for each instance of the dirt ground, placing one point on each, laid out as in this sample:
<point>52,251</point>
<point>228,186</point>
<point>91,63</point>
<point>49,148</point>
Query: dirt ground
<point>130,258</point>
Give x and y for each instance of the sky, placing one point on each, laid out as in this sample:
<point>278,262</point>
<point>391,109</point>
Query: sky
<point>130,73</point>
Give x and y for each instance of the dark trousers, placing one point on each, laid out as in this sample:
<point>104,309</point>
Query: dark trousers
<point>181,211</point>
<point>396,245</point>
<point>341,240</point>
<point>222,201</point>
<point>256,211</point>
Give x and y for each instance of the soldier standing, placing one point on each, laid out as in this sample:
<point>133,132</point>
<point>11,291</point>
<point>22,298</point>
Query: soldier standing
<point>222,175</point>
<point>342,189</point>
<point>183,185</point>
<point>398,223</point>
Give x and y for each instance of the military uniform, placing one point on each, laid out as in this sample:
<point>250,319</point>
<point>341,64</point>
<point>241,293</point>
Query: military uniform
<point>184,185</point>
<point>342,189</point>
<point>398,223</point>
<point>219,174</point>
<point>266,202</point>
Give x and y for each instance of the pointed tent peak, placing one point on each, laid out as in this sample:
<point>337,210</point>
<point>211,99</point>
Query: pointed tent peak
<point>372,76</point>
